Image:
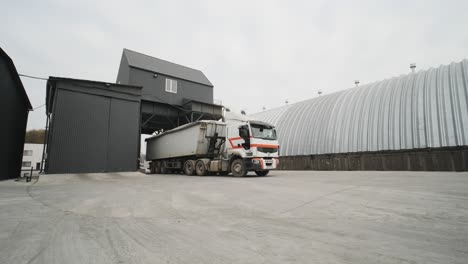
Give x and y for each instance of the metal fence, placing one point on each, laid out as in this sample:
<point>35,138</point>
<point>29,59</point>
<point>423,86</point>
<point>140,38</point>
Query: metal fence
<point>29,173</point>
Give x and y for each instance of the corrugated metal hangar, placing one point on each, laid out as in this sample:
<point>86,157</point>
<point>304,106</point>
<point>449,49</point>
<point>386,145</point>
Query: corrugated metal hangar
<point>15,106</point>
<point>96,126</point>
<point>417,121</point>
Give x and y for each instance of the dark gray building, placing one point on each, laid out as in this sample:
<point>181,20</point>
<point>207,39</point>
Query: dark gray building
<point>15,106</point>
<point>94,126</point>
<point>172,94</point>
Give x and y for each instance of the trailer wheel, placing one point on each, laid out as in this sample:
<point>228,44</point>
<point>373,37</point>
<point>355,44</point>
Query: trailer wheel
<point>162,168</point>
<point>262,173</point>
<point>200,168</point>
<point>189,167</point>
<point>155,167</point>
<point>238,168</point>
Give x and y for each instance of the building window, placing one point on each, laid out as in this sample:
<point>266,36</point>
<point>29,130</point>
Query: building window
<point>26,164</point>
<point>171,86</point>
<point>27,153</point>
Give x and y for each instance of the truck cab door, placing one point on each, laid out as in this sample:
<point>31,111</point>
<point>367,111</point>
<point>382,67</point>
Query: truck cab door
<point>245,135</point>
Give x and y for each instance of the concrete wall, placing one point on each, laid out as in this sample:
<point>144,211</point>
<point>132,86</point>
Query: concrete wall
<point>13,117</point>
<point>439,159</point>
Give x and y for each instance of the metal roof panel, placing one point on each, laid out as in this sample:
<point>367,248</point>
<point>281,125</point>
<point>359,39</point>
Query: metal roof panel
<point>426,109</point>
<point>145,62</point>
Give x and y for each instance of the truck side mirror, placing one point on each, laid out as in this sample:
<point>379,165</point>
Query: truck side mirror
<point>245,135</point>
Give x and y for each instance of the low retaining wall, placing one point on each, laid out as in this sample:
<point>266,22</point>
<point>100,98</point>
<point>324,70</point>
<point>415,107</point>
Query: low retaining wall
<point>435,159</point>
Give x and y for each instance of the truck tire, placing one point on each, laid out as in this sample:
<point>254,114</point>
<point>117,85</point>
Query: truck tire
<point>238,168</point>
<point>156,167</point>
<point>189,167</point>
<point>162,168</point>
<point>262,173</point>
<point>200,168</point>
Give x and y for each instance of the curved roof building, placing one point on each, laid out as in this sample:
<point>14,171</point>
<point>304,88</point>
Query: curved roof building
<point>426,109</point>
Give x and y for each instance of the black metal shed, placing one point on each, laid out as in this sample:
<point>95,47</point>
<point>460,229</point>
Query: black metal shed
<point>94,126</point>
<point>15,106</point>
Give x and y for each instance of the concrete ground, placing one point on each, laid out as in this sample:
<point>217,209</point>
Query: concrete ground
<point>288,217</point>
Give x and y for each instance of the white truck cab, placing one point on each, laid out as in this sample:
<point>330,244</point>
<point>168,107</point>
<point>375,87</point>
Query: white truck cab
<point>255,142</point>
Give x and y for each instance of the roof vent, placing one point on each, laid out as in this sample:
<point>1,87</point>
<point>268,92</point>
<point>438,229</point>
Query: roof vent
<point>356,82</point>
<point>413,67</point>
<point>264,108</point>
<point>319,92</point>
<point>286,102</point>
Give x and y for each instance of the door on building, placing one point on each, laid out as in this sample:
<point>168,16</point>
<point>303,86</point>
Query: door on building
<point>38,166</point>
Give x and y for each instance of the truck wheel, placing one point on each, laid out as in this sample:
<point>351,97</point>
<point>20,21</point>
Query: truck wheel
<point>162,168</point>
<point>200,168</point>
<point>156,167</point>
<point>189,167</point>
<point>262,173</point>
<point>238,168</point>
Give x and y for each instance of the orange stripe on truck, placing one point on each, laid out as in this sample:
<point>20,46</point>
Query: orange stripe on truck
<point>265,146</point>
<point>251,145</point>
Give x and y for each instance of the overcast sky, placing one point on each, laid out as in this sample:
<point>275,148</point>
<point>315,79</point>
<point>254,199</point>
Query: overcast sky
<point>256,53</point>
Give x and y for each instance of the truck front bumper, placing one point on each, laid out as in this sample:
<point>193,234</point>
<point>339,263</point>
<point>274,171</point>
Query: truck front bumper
<point>260,164</point>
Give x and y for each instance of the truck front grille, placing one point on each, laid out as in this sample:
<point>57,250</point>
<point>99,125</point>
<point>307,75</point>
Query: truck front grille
<point>267,150</point>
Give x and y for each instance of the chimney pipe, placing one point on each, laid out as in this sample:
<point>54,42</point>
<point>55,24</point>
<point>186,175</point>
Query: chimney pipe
<point>356,82</point>
<point>413,67</point>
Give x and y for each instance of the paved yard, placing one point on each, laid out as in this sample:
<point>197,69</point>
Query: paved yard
<point>288,217</point>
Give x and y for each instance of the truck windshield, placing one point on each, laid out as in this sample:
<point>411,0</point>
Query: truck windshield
<point>263,132</point>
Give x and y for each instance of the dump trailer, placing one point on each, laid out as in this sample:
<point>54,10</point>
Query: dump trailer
<point>215,147</point>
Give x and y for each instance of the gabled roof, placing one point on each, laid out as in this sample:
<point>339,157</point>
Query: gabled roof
<point>15,77</point>
<point>145,62</point>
